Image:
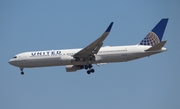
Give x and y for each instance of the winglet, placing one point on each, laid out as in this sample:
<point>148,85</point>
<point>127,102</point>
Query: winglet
<point>109,27</point>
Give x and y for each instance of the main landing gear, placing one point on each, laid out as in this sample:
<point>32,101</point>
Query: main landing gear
<point>89,69</point>
<point>22,73</point>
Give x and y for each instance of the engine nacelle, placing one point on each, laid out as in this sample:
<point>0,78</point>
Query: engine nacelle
<point>73,68</point>
<point>67,59</point>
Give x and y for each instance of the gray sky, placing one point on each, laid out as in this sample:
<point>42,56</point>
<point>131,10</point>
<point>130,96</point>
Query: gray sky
<point>148,83</point>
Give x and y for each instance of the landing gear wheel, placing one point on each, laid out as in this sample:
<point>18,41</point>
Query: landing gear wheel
<point>86,67</point>
<point>88,72</point>
<point>92,70</point>
<point>90,66</point>
<point>22,73</point>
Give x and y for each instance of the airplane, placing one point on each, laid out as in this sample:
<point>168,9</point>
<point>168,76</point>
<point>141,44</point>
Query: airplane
<point>94,53</point>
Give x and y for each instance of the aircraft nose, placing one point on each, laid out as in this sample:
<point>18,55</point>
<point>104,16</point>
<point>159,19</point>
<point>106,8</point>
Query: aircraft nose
<point>11,61</point>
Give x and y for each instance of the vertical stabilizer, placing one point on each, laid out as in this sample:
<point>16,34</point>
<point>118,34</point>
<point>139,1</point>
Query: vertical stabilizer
<point>155,36</point>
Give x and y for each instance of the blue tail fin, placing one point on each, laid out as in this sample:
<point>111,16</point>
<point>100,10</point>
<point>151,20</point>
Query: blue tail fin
<point>155,36</point>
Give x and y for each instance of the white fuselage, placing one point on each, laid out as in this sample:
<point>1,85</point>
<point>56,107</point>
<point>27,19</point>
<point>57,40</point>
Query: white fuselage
<point>106,54</point>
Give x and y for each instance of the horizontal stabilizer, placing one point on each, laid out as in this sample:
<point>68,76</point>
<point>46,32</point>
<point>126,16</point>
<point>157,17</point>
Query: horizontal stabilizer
<point>157,46</point>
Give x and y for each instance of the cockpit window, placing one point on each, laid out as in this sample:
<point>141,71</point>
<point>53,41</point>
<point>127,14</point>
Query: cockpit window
<point>15,57</point>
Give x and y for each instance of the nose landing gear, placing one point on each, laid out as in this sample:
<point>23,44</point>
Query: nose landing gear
<point>22,73</point>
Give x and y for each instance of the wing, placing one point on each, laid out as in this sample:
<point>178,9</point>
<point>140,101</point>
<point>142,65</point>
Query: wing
<point>94,47</point>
